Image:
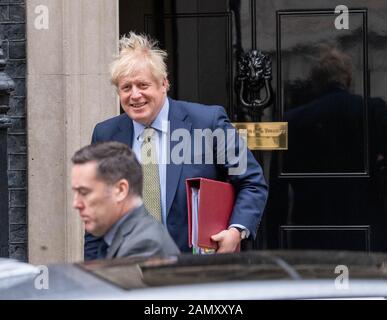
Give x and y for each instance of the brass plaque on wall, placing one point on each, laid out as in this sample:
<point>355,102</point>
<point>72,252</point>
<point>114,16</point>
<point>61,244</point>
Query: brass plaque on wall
<point>265,135</point>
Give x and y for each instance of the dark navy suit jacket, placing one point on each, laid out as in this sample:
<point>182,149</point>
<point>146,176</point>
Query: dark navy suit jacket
<point>250,186</point>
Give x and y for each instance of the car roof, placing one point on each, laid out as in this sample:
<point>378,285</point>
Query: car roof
<point>246,275</point>
<point>252,265</point>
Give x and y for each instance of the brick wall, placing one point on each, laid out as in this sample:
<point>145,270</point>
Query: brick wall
<point>12,31</point>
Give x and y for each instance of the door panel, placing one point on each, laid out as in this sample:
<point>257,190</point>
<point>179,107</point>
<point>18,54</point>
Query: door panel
<point>329,189</point>
<point>351,237</point>
<point>193,64</point>
<point>323,81</point>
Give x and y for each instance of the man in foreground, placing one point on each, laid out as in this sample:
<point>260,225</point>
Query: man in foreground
<point>107,183</point>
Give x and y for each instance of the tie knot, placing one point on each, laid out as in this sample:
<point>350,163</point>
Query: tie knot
<point>148,133</point>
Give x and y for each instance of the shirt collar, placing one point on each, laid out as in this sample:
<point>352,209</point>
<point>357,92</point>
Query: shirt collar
<point>160,123</point>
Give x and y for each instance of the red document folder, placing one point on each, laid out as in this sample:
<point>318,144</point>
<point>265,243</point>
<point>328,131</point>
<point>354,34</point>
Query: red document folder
<point>214,209</point>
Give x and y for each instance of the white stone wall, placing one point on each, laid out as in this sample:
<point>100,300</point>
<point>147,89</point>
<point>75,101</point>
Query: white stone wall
<point>68,92</point>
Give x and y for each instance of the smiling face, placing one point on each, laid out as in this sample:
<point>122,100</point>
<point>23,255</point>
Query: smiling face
<point>94,199</point>
<point>142,96</point>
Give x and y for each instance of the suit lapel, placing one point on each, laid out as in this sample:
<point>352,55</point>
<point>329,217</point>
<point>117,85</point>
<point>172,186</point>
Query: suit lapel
<point>178,119</point>
<point>124,133</point>
<point>125,228</point>
<point>116,244</point>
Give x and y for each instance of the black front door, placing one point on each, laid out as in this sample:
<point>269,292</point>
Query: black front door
<point>327,72</point>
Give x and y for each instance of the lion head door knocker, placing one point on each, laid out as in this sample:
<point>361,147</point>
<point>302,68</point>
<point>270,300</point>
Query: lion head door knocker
<point>254,74</point>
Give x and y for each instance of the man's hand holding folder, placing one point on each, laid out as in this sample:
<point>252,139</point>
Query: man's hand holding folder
<point>228,240</point>
<point>210,204</point>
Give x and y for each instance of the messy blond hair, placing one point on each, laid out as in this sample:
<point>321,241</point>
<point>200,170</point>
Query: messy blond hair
<point>136,53</point>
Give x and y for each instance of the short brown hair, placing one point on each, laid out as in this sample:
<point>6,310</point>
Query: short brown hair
<point>115,161</point>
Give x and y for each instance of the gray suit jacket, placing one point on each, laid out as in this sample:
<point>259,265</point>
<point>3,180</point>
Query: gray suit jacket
<point>141,235</point>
